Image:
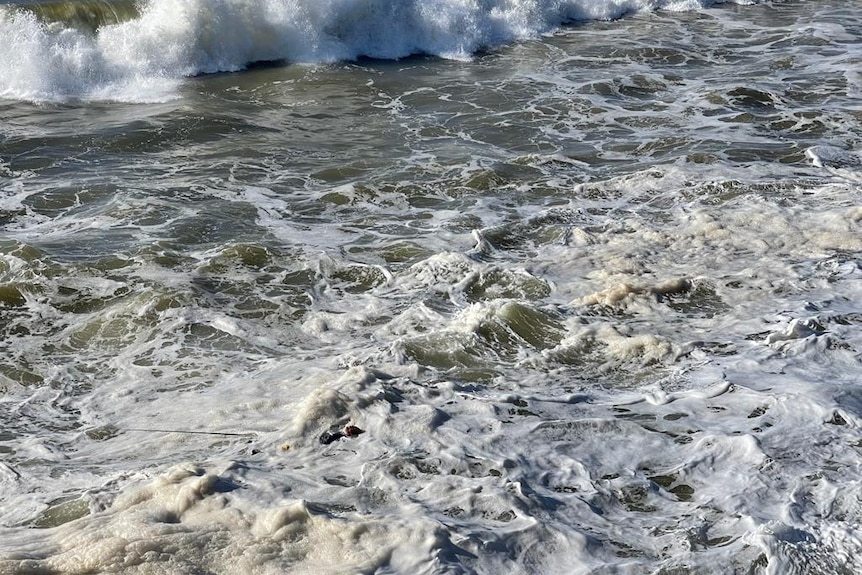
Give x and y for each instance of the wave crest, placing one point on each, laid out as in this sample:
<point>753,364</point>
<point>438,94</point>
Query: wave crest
<point>97,49</point>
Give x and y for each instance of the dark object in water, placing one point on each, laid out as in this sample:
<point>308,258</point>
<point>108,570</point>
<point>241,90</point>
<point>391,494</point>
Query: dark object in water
<point>349,431</point>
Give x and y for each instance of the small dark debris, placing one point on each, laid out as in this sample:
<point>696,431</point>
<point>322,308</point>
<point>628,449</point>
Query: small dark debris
<point>837,419</point>
<point>332,436</point>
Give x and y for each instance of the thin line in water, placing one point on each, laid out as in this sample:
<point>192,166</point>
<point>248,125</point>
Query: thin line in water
<point>246,434</point>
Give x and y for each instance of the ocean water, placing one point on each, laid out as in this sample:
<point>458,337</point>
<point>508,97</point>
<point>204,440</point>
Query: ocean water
<point>585,274</point>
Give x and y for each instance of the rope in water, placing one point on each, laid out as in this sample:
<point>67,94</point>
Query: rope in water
<point>246,434</point>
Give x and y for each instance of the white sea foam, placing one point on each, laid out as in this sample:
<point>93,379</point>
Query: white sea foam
<point>144,59</point>
<point>682,395</point>
<point>169,523</point>
<point>555,370</point>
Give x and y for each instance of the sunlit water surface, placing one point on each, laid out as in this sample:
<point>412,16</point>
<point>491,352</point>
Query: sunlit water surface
<point>590,288</point>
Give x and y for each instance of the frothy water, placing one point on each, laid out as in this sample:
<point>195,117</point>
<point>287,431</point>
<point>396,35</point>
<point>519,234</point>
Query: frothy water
<point>579,296</point>
<point>126,51</point>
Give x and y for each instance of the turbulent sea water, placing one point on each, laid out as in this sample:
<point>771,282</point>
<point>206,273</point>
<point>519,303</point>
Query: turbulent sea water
<point>586,274</point>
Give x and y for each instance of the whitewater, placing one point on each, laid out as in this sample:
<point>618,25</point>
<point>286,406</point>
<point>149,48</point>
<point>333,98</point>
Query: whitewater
<point>488,286</point>
<point>144,48</point>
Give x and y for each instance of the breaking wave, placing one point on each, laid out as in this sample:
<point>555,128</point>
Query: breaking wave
<point>140,51</point>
